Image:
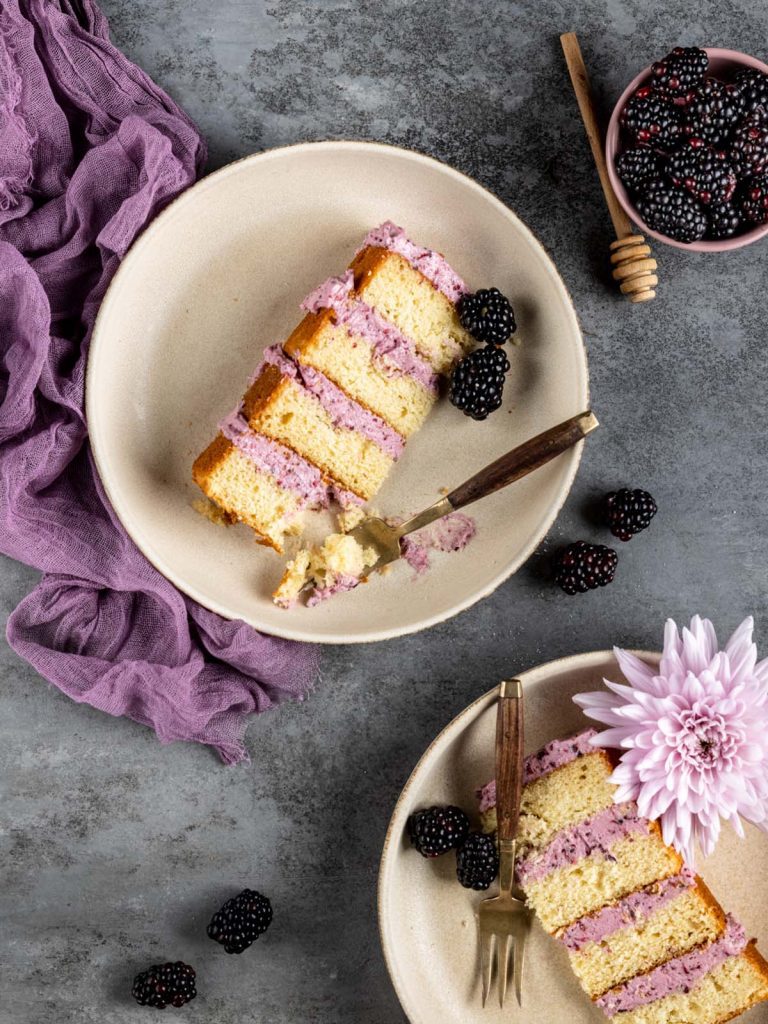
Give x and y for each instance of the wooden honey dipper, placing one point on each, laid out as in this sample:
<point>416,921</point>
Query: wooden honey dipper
<point>634,268</point>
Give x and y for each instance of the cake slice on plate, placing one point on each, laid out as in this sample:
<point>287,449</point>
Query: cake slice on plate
<point>646,938</point>
<point>327,413</point>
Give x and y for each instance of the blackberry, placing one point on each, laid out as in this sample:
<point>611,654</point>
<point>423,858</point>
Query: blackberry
<point>678,74</point>
<point>165,985</point>
<point>652,120</point>
<point>714,112</point>
<point>437,830</point>
<point>754,200</point>
<point>241,921</point>
<point>628,512</point>
<point>752,86</point>
<point>706,173</point>
<point>723,221</point>
<point>637,167</point>
<point>674,213</point>
<point>749,145</point>
<point>581,567</point>
<point>487,315</point>
<point>477,382</point>
<point>477,861</point>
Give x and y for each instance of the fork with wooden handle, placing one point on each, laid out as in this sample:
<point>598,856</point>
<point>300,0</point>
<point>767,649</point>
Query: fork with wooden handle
<point>505,920</point>
<point>384,539</point>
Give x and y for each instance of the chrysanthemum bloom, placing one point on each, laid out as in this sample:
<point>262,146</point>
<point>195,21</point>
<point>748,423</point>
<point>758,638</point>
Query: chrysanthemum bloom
<point>694,732</point>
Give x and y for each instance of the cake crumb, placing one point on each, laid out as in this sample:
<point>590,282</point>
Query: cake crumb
<point>211,511</point>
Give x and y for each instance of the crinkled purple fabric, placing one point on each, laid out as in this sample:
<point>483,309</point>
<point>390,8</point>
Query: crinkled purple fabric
<point>90,151</point>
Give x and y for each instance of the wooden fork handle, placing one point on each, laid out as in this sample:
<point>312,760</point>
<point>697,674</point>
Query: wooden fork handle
<point>509,758</point>
<point>523,459</point>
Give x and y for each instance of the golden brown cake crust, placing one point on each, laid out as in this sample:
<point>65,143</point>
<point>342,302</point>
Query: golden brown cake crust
<point>264,389</point>
<point>708,898</point>
<point>302,338</point>
<point>207,461</point>
<point>205,464</point>
<point>752,954</point>
<point>305,332</point>
<point>368,261</point>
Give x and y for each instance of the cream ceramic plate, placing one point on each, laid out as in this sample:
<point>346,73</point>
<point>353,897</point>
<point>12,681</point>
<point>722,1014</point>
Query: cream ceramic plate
<point>220,275</point>
<point>427,920</point>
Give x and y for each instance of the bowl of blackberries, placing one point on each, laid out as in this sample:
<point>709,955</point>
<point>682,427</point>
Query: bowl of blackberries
<point>687,149</point>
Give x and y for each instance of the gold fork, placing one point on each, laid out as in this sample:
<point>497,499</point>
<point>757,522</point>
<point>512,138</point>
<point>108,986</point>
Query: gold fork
<point>537,451</point>
<point>505,920</point>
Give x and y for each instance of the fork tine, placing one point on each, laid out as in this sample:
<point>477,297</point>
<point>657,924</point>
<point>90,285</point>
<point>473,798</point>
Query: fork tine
<point>486,962</point>
<point>519,953</point>
<point>502,955</point>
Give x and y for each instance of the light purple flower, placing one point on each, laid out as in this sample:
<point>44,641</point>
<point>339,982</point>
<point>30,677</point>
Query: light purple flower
<point>695,734</point>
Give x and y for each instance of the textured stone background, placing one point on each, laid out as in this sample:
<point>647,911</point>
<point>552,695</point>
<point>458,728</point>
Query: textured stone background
<point>117,849</point>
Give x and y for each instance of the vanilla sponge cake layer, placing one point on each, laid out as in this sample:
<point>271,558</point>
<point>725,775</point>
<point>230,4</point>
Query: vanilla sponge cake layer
<point>565,894</point>
<point>349,360</point>
<point>726,991</point>
<point>246,493</point>
<point>563,797</point>
<point>281,409</point>
<point>386,281</point>
<point>691,918</point>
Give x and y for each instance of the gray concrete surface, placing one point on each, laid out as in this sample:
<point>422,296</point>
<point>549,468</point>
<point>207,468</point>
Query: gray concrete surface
<point>117,849</point>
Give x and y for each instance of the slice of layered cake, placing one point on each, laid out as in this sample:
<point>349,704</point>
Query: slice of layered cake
<point>647,940</point>
<point>327,413</point>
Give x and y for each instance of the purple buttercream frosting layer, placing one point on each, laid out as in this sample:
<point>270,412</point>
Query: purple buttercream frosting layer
<point>593,837</point>
<point>290,470</point>
<point>554,755</point>
<point>431,264</point>
<point>629,911</point>
<point>392,351</point>
<point>340,585</point>
<point>343,411</point>
<point>678,975</point>
<point>451,533</point>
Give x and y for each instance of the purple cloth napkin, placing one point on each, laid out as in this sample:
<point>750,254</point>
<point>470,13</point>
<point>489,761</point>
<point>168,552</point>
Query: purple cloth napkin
<point>90,151</point>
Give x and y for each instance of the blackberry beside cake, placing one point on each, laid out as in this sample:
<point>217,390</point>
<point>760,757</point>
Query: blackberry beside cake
<point>328,412</point>
<point>647,940</point>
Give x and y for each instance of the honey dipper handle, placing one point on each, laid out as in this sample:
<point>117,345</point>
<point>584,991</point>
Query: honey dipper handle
<point>578,72</point>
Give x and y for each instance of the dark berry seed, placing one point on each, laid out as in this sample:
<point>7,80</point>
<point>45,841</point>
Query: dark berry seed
<point>241,921</point>
<point>751,85</point>
<point>171,984</point>
<point>581,567</point>
<point>713,113</point>
<point>437,830</point>
<point>477,382</point>
<point>706,173</point>
<point>487,315</point>
<point>628,512</point>
<point>723,221</point>
<point>754,200</point>
<point>652,120</point>
<point>677,74</point>
<point>749,145</point>
<point>637,167</point>
<point>477,861</point>
<point>674,213</point>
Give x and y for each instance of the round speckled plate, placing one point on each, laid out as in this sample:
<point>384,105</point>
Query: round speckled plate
<point>219,276</point>
<point>427,921</point>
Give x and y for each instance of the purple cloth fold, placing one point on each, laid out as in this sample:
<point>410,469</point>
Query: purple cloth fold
<point>90,150</point>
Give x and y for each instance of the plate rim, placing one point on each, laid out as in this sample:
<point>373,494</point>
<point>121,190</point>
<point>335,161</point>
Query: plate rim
<point>453,728</point>
<point>122,510</point>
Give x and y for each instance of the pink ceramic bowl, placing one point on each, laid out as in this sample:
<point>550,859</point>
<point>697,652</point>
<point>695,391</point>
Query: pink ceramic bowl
<point>723,63</point>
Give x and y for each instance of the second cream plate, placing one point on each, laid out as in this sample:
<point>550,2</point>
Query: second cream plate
<point>219,276</point>
<point>427,921</point>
